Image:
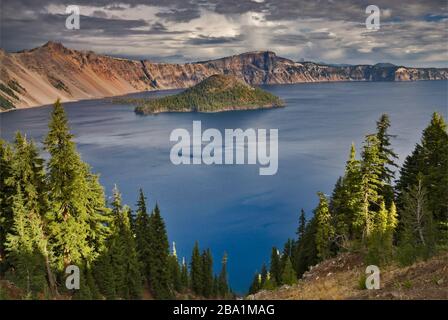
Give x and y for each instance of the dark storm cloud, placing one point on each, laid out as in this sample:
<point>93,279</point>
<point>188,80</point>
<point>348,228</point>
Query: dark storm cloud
<point>319,30</point>
<point>208,40</point>
<point>180,15</point>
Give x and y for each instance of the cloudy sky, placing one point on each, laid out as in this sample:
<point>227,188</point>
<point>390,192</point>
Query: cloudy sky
<point>411,32</point>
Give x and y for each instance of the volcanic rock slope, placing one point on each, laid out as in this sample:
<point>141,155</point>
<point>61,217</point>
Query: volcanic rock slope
<point>39,76</point>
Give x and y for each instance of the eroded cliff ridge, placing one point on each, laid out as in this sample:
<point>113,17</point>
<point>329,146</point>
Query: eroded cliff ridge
<point>39,76</point>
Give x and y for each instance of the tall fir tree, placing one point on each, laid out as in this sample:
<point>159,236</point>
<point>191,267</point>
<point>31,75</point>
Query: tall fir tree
<point>275,267</point>
<point>417,238</point>
<point>388,158</point>
<point>196,270</point>
<point>75,218</point>
<point>207,273</point>
<point>123,253</point>
<point>302,225</point>
<point>371,184</point>
<point>184,277</point>
<point>289,276</point>
<point>23,247</point>
<point>175,281</point>
<point>325,230</point>
<point>430,160</point>
<point>28,177</point>
<point>223,287</point>
<point>6,195</point>
<point>142,234</point>
<point>158,256</point>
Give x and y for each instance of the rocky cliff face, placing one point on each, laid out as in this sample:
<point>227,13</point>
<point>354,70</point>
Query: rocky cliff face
<point>41,75</point>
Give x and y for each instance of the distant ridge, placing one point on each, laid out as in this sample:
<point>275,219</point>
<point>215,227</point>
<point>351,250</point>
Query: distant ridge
<point>39,76</point>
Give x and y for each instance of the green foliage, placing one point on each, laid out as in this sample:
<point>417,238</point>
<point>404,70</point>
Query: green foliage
<point>417,239</point>
<point>215,93</point>
<point>142,234</point>
<point>289,276</point>
<point>196,270</point>
<point>325,230</point>
<point>223,286</point>
<point>74,224</point>
<point>5,104</point>
<point>120,264</point>
<point>23,247</point>
<point>207,273</point>
<point>158,276</point>
<point>53,218</point>
<point>388,157</point>
<point>275,269</point>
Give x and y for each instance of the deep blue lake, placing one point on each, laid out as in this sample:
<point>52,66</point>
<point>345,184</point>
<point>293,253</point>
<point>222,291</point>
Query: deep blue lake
<point>231,207</point>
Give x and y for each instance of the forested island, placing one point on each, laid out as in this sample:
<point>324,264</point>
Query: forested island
<point>214,94</point>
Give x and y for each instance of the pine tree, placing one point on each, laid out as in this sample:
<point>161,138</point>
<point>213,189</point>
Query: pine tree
<point>269,283</point>
<point>325,230</point>
<point>75,218</point>
<point>302,224</point>
<point>289,276</point>
<point>23,247</point>
<point>123,253</point>
<point>417,237</point>
<point>430,160</point>
<point>7,192</point>
<point>346,202</point>
<point>275,267</point>
<point>306,251</point>
<point>174,271</point>
<point>256,284</point>
<point>28,179</point>
<point>142,233</point>
<point>371,184</point>
<point>377,240</point>
<point>388,157</point>
<point>185,281</point>
<point>196,270</point>
<point>158,256</point>
<point>223,287</point>
<point>207,273</point>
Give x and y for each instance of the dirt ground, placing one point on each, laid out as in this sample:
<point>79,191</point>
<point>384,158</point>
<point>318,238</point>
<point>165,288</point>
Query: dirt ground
<point>343,277</point>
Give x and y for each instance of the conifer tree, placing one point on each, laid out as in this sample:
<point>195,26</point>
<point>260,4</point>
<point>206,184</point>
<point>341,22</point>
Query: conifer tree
<point>23,247</point>
<point>256,284</point>
<point>302,224</point>
<point>269,283</point>
<point>289,276</point>
<point>377,246</point>
<point>325,230</point>
<point>388,157</point>
<point>371,184</point>
<point>28,179</point>
<point>142,233</point>
<point>185,281</point>
<point>307,252</point>
<point>75,226</point>
<point>207,273</point>
<point>275,267</point>
<point>6,193</point>
<point>158,256</point>
<point>430,160</point>
<point>223,287</point>
<point>123,253</point>
<point>196,270</point>
<point>174,271</point>
<point>417,237</point>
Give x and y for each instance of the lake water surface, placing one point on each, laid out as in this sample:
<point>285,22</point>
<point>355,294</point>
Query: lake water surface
<point>231,207</point>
